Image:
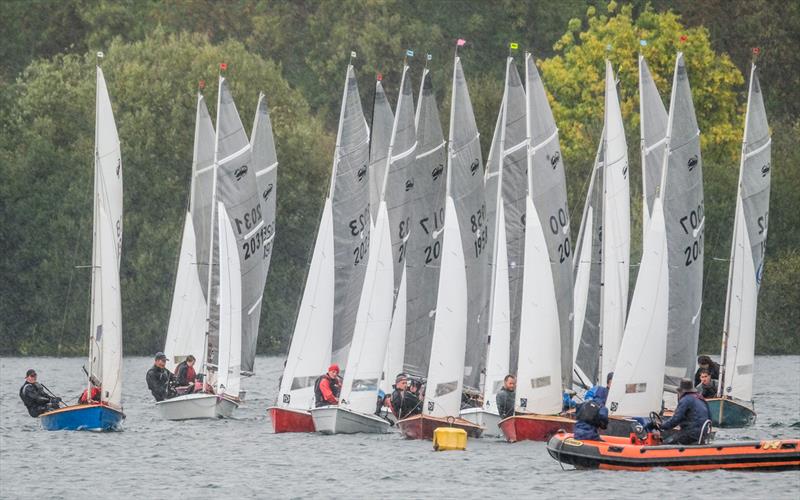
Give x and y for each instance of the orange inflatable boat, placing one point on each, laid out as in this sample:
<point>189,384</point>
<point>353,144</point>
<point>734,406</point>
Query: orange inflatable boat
<point>633,453</point>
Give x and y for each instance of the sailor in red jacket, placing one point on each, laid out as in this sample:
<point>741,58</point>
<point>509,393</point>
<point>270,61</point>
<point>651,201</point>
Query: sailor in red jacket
<point>327,387</point>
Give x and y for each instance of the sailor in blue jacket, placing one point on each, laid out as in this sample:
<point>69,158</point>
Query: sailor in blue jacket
<point>691,415</point>
<point>598,392</point>
<point>590,416</point>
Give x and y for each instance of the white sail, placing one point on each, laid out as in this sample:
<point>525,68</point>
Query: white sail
<point>187,323</point>
<point>444,381</point>
<point>639,373</point>
<point>374,318</point>
<point>539,374</point>
<point>616,229</point>
<point>230,306</point>
<point>396,347</point>
<point>105,347</point>
<point>500,323</point>
<point>747,253</point>
<point>653,129</point>
<point>310,350</point>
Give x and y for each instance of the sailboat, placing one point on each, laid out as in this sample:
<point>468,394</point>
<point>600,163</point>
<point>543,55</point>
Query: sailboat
<point>602,255</point>
<point>227,204</point>
<point>734,406</point>
<point>540,373</point>
<point>105,334</point>
<point>461,295</point>
<point>385,271</point>
<point>326,320</point>
<point>506,193</point>
<point>642,364</point>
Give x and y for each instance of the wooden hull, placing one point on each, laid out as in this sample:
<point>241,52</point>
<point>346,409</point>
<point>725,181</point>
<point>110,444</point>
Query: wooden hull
<point>727,412</point>
<point>534,427</point>
<point>422,426</point>
<point>196,406</point>
<point>290,420</point>
<point>336,420</point>
<point>619,454</point>
<point>488,420</point>
<point>89,417</point>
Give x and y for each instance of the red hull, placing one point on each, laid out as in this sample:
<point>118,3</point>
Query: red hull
<point>290,420</point>
<point>422,426</point>
<point>534,427</point>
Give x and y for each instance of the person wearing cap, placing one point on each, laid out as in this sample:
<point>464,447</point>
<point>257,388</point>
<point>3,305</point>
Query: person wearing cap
<point>34,396</point>
<point>405,403</point>
<point>160,381</point>
<point>706,363</point>
<point>327,387</point>
<point>506,396</point>
<point>691,415</point>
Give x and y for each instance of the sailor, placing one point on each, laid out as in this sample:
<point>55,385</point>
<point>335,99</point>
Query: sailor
<point>590,416</point>
<point>598,392</point>
<point>707,386</point>
<point>327,387</point>
<point>185,373</point>
<point>92,395</point>
<point>405,402</point>
<point>35,397</point>
<point>704,362</point>
<point>160,381</point>
<point>691,415</point>
<point>506,396</point>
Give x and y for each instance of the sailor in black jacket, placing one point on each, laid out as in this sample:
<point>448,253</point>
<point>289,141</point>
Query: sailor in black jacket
<point>34,396</point>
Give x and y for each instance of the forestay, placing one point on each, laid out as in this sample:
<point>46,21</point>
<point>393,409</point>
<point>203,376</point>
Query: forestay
<point>653,129</point>
<point>105,344</point>
<point>549,193</point>
<point>747,254</point>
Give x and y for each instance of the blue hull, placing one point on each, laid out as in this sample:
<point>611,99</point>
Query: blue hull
<point>83,418</point>
<point>731,412</point>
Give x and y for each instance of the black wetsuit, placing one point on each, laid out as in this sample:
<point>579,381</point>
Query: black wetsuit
<point>505,402</point>
<point>36,400</point>
<point>405,404</point>
<point>158,382</point>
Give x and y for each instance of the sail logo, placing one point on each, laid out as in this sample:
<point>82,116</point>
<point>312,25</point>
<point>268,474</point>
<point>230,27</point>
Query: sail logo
<point>362,172</point>
<point>437,172</point>
<point>287,398</point>
<point>765,169</point>
<point>554,159</point>
<point>240,172</point>
<point>430,405</point>
<point>759,273</point>
<point>267,191</point>
<point>692,162</point>
<point>681,72</point>
<point>119,166</point>
<point>473,167</point>
<point>409,184</point>
<point>625,171</point>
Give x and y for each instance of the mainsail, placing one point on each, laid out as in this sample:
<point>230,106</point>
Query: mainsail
<point>187,325</point>
<point>549,193</point>
<point>685,222</point>
<point>423,258</point>
<point>380,136</point>
<point>105,344</point>
<point>653,128</point>
<point>748,249</point>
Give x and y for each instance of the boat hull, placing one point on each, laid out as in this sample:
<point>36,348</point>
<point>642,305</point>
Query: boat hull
<point>196,406</point>
<point>619,427</point>
<point>91,417</point>
<point>290,420</point>
<point>727,412</point>
<point>534,427</point>
<point>422,426</point>
<point>336,420</point>
<point>488,420</point>
<point>619,454</point>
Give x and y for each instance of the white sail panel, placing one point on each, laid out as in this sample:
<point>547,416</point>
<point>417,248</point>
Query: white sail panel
<point>653,129</point>
<point>639,373</point>
<point>310,350</point>
<point>500,325</point>
<point>539,374</point>
<point>395,350</point>
<point>230,306</point>
<point>445,375</point>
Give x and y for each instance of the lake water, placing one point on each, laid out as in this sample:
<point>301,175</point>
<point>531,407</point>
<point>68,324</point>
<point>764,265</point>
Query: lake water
<point>242,458</point>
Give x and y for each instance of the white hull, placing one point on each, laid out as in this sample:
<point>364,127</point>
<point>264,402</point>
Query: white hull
<point>193,406</point>
<point>336,420</point>
<point>489,421</point>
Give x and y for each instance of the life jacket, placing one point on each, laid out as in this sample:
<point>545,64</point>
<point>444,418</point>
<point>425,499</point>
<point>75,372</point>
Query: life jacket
<point>589,412</point>
<point>95,396</point>
<point>335,385</point>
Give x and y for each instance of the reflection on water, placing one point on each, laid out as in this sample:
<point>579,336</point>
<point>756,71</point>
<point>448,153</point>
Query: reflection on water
<point>242,458</point>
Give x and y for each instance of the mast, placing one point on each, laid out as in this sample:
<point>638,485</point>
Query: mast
<point>93,309</point>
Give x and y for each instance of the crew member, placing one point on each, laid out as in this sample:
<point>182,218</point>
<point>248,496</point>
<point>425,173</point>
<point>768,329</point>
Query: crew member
<point>327,387</point>
<point>35,397</point>
<point>95,392</point>
<point>704,362</point>
<point>185,374</point>
<point>590,416</point>
<point>405,403</point>
<point>707,386</point>
<point>599,393</point>
<point>160,381</point>
<point>505,397</point>
<point>691,415</point>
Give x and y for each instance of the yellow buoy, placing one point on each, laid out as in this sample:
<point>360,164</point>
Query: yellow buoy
<point>449,438</point>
